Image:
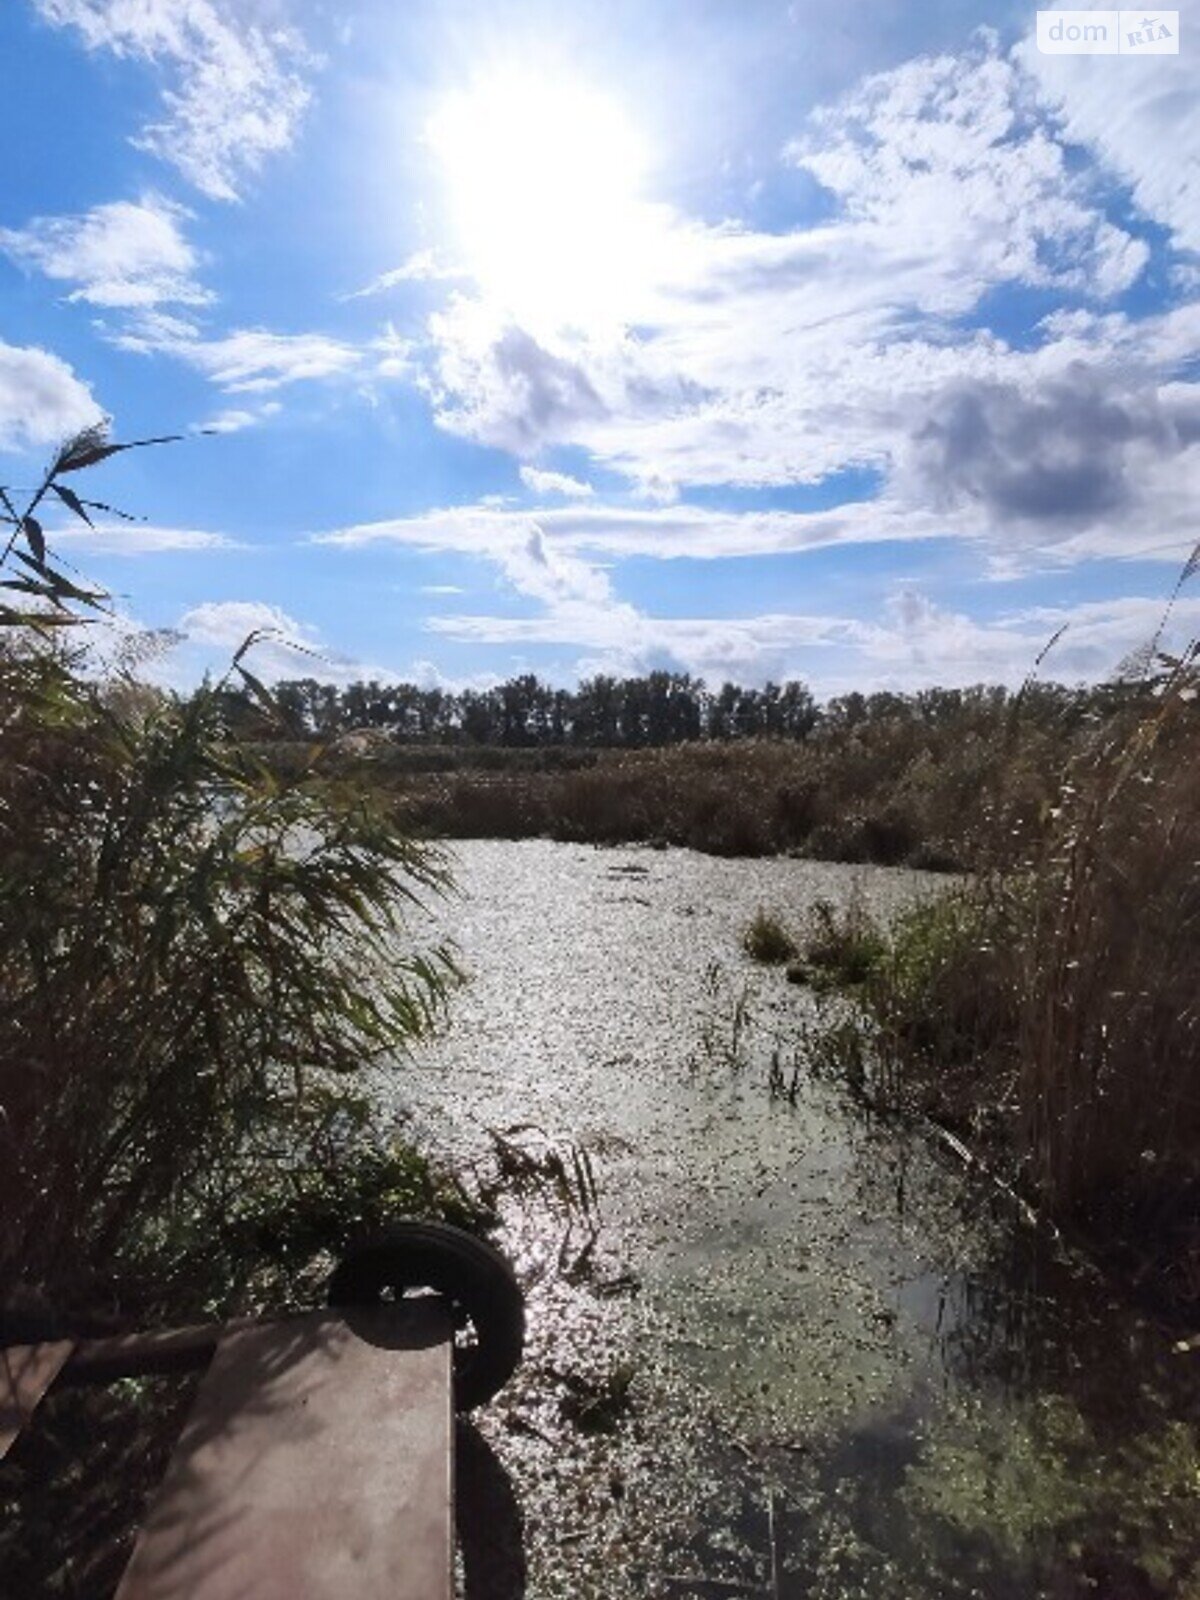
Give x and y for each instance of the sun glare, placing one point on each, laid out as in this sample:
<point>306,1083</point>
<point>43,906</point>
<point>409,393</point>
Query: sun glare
<point>542,188</point>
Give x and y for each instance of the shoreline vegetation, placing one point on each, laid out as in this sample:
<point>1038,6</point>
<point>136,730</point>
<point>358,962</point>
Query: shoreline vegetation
<point>1045,1013</point>
<point>944,780</point>
<point>197,957</point>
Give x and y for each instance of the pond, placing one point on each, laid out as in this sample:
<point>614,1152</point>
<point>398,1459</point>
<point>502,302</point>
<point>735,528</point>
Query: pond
<point>803,1353</point>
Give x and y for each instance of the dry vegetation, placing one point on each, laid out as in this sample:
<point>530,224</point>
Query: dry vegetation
<point>891,779</point>
<point>1049,1011</point>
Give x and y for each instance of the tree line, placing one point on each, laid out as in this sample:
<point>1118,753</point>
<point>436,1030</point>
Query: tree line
<point>661,708</point>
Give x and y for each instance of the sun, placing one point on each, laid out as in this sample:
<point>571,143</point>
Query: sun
<point>542,186</point>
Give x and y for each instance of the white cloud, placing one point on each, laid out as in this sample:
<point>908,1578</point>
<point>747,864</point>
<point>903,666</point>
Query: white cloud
<point>123,254</point>
<point>914,643</point>
<point>557,483</point>
<point>1142,117</point>
<point>967,480</point>
<point>134,259</point>
<point>919,643</point>
<point>215,630</point>
<point>136,539</point>
<point>422,267</point>
<point>230,622</point>
<point>231,421</point>
<point>41,400</point>
<point>1084,443</point>
<point>234,93</point>
<point>498,384</point>
<point>941,158</point>
<point>235,419</point>
<point>740,357</point>
<point>428,675</point>
<point>247,361</point>
<point>549,557</point>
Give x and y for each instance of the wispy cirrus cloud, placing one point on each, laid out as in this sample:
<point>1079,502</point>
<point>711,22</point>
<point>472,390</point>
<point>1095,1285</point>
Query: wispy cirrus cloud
<point>1148,132</point>
<point>424,266</point>
<point>253,360</point>
<point>245,361</point>
<point>137,539</point>
<point>235,87</point>
<point>235,419</point>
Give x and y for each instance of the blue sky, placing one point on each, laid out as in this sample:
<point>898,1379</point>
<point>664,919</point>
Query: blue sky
<point>756,341</point>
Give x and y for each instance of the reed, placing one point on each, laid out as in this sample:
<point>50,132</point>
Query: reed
<point>194,957</point>
<point>1049,1010</point>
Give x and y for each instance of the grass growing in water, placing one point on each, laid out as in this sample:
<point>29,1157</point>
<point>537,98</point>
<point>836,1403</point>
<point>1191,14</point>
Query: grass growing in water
<point>767,940</point>
<point>1049,1012</point>
<point>840,947</point>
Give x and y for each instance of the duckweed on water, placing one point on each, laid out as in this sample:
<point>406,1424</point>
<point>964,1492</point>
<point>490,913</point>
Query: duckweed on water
<point>1046,1490</point>
<point>836,1358</point>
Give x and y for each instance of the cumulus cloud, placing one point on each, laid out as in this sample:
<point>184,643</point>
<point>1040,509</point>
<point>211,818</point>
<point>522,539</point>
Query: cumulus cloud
<point>41,400</point>
<point>945,158</point>
<point>913,642</point>
<point>502,388</point>
<point>1068,454</point>
<point>123,254</point>
<point>918,643</point>
<point>229,622</point>
<point>212,632</point>
<point>134,259</point>
<point>234,89</point>
<point>738,356</point>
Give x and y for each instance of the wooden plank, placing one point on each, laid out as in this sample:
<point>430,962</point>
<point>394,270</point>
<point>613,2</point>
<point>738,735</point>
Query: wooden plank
<point>316,1465</point>
<point>133,1355</point>
<point>26,1372</point>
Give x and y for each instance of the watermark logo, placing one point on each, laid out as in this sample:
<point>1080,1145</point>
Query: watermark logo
<point>1150,36</point>
<point>1108,33</point>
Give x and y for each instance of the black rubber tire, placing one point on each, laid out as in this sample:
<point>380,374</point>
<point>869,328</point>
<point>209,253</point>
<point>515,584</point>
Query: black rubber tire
<point>472,1275</point>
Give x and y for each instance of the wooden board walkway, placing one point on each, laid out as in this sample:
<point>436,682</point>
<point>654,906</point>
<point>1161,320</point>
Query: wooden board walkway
<point>316,1465</point>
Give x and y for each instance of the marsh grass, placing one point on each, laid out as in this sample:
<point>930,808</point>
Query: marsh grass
<point>197,957</point>
<point>1109,1035</point>
<point>767,940</point>
<point>197,954</point>
<point>841,945</point>
<point>726,1023</point>
<point>898,790</point>
<point>1049,1011</point>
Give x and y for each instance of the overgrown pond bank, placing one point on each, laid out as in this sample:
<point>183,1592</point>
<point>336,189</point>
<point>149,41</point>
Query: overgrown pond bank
<point>804,1357</point>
